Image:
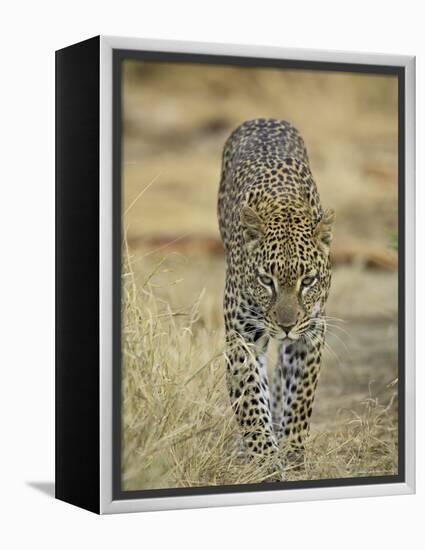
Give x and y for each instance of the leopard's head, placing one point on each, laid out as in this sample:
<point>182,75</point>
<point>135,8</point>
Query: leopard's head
<point>287,267</point>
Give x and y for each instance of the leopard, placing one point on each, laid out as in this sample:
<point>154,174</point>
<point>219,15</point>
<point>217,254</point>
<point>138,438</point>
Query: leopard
<point>276,238</point>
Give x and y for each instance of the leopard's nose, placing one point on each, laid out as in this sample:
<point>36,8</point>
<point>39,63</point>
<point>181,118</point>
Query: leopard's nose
<point>287,328</point>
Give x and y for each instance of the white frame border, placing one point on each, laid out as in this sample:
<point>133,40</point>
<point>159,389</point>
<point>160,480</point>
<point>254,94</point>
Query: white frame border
<point>107,504</point>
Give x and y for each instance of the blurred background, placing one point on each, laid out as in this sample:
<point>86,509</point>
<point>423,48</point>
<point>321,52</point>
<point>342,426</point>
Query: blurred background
<point>176,118</point>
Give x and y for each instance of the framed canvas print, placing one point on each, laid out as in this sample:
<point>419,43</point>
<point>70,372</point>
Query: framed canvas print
<point>234,270</point>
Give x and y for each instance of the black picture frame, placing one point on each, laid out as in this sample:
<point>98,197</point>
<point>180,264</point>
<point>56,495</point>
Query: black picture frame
<point>78,265</point>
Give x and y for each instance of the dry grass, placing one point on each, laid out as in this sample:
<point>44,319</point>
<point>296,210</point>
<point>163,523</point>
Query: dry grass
<point>178,427</point>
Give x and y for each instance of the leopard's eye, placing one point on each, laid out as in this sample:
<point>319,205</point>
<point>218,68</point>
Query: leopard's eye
<point>308,281</point>
<point>265,280</point>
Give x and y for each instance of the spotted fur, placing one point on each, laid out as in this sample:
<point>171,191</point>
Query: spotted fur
<point>276,238</point>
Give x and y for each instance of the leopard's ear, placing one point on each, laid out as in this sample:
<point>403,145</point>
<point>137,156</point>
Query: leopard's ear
<point>252,227</point>
<point>323,231</point>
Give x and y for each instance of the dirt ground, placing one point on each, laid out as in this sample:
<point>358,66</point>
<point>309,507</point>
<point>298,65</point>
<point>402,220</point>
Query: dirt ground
<point>176,119</point>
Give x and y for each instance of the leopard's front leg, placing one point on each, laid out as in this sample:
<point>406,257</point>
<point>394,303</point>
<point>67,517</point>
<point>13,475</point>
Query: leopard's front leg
<point>249,394</point>
<point>294,385</point>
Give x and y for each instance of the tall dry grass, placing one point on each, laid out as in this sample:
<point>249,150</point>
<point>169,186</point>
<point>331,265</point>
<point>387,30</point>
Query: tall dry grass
<point>178,429</point>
